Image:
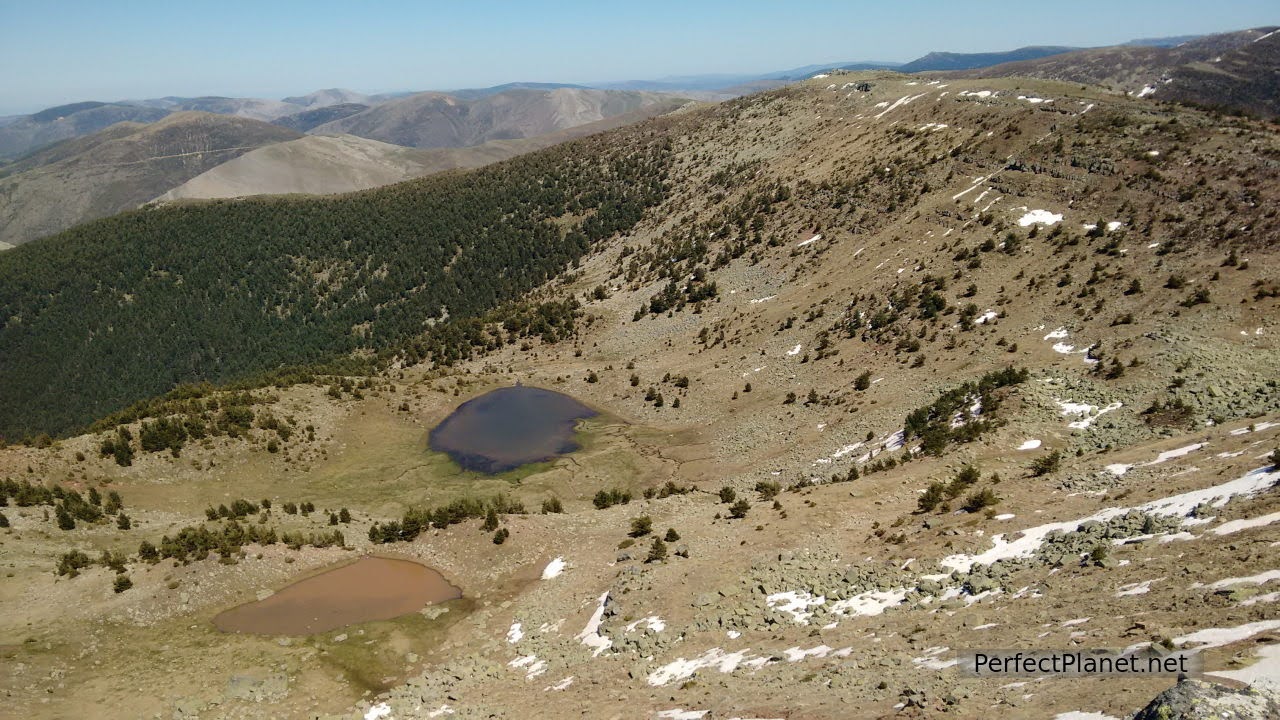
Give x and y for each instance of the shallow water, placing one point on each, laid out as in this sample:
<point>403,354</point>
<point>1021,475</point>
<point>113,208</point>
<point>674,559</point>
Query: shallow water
<point>509,427</point>
<point>371,588</point>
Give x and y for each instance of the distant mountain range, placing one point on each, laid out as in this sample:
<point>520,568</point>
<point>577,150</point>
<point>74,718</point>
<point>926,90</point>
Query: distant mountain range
<point>118,168</point>
<point>80,161</point>
<point>437,120</point>
<point>130,163</point>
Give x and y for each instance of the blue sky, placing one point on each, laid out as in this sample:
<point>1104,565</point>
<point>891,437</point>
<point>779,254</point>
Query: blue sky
<point>54,51</point>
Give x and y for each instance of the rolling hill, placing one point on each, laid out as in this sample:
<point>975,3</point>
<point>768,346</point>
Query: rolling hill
<point>309,119</point>
<point>26,133</point>
<point>940,61</point>
<point>118,168</point>
<point>440,120</point>
<point>327,164</point>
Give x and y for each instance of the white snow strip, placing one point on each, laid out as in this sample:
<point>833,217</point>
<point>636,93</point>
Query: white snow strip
<point>1217,637</point>
<point>1043,217</point>
<point>1256,427</point>
<point>811,240</point>
<point>1118,469</point>
<point>440,711</point>
<point>553,568</point>
<point>931,660</point>
<point>1083,715</point>
<point>795,654</point>
<point>905,99</point>
<point>1057,334</point>
<point>560,685</point>
<point>766,298</point>
<point>976,93</point>
<point>590,635</point>
<point>681,714</point>
<point>1261,578</point>
<point>1005,516</point>
<point>1137,588</point>
<point>515,633</point>
<point>653,623</point>
<point>1029,444</point>
<point>973,187</point>
<point>683,668</point>
<point>1235,526</point>
<point>1171,454</point>
<point>984,317</point>
<point>1179,505</point>
<point>380,710</point>
<point>795,350</point>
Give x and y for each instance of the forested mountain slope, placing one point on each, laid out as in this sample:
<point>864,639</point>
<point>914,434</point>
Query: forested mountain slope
<point>124,308</point>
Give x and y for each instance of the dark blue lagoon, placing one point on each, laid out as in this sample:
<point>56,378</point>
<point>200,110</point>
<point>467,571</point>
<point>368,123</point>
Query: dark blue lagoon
<point>509,427</point>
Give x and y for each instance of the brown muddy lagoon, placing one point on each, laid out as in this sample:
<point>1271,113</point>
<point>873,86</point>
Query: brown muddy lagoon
<point>369,589</point>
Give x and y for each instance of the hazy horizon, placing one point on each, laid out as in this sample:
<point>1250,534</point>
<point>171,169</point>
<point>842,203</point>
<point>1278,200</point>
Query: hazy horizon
<point>77,51</point>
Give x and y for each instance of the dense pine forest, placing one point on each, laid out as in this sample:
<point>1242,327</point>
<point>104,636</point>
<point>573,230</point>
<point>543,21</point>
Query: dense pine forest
<point>128,307</point>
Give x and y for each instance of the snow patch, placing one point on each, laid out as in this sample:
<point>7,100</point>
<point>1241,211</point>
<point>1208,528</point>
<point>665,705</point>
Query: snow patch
<point>1042,217</point>
<point>795,603</point>
<point>653,623</point>
<point>681,713</point>
<point>1235,526</point>
<point>590,635</point>
<point>1031,444</point>
<point>1137,588</point>
<point>553,568</point>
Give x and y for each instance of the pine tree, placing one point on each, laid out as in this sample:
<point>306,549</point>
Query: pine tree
<point>148,553</point>
<point>65,521</point>
<point>740,509</point>
<point>123,522</point>
<point>672,535</point>
<point>122,583</point>
<point>641,526</point>
<point>657,551</point>
<point>344,516</point>
<point>490,521</point>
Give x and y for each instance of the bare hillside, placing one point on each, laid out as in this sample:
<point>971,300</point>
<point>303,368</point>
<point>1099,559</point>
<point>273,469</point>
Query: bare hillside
<point>326,164</point>
<point>119,168</point>
<point>1133,68</point>
<point>440,120</point>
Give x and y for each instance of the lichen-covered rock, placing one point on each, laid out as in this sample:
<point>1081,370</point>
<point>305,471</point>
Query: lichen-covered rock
<point>1196,700</point>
